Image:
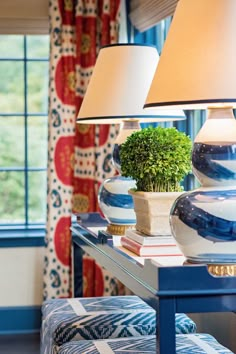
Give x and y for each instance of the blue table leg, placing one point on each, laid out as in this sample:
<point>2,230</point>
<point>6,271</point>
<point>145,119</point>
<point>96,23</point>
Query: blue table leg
<point>166,341</point>
<point>78,270</point>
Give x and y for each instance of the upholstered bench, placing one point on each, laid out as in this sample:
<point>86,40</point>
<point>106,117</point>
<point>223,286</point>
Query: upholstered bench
<point>65,320</point>
<point>197,343</point>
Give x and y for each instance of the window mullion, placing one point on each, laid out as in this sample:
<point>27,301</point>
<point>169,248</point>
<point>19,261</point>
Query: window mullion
<point>26,134</point>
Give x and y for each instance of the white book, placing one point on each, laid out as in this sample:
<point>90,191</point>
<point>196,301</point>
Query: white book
<point>149,240</point>
<point>159,249</point>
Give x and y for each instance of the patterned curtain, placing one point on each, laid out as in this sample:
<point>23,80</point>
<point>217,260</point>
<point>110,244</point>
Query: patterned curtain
<point>79,159</point>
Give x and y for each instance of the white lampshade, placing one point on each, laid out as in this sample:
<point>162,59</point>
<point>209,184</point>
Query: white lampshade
<point>119,85</point>
<point>197,66</point>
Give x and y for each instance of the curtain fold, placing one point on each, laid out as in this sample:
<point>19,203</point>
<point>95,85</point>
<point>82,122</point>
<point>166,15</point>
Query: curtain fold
<point>79,157</point>
<point>145,14</point>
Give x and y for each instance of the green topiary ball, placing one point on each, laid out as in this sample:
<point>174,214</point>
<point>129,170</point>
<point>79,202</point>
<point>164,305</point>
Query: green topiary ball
<point>157,158</point>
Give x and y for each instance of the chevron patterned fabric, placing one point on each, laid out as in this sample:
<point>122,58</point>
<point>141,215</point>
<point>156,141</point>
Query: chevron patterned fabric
<point>197,343</point>
<point>65,320</point>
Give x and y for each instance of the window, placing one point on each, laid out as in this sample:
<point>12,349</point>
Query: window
<point>24,63</point>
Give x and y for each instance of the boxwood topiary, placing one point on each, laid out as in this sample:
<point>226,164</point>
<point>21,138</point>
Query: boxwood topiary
<point>157,158</point>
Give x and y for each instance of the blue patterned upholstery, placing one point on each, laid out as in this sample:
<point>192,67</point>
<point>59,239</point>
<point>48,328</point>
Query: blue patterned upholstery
<point>65,320</point>
<point>184,325</point>
<point>185,344</point>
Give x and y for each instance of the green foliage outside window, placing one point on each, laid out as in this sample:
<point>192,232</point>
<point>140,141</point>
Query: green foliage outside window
<point>23,128</point>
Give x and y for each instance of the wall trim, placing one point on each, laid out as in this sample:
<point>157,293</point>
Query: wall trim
<point>32,241</point>
<point>22,237</point>
<point>20,319</point>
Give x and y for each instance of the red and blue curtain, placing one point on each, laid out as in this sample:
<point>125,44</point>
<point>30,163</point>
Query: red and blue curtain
<point>79,157</point>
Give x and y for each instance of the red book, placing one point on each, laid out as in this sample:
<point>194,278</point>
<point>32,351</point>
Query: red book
<point>150,251</point>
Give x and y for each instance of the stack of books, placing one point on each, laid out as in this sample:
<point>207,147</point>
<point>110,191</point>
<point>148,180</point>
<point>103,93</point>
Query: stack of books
<point>149,246</point>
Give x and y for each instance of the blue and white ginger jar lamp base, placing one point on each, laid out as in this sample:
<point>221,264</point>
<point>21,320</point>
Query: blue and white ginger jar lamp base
<point>203,221</point>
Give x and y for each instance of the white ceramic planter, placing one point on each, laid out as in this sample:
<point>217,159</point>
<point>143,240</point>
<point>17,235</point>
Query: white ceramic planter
<point>152,211</point>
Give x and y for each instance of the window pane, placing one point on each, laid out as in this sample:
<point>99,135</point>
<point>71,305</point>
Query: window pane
<point>38,47</point>
<point>198,120</point>
<point>11,142</point>
<point>23,136</point>
<point>37,196</point>
<point>11,86</point>
<point>12,197</point>
<point>37,141</point>
<point>37,87</point>
<point>11,46</point>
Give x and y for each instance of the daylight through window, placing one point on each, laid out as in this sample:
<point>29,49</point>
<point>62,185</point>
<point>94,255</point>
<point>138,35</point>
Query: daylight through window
<point>24,62</point>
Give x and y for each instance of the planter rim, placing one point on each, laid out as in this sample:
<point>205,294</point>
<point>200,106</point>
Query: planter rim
<point>153,195</point>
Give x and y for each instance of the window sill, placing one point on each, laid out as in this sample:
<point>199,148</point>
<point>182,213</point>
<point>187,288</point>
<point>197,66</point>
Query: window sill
<point>13,237</point>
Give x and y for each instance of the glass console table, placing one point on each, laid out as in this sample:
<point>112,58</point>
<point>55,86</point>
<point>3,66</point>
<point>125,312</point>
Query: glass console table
<point>168,289</point>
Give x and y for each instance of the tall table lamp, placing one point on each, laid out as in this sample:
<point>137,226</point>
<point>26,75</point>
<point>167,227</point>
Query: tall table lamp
<point>116,94</point>
<point>197,70</point>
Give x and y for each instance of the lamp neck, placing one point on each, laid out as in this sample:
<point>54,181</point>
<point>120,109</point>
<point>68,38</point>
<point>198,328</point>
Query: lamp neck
<point>220,113</point>
<point>219,128</point>
<point>131,124</point>
<point>128,126</point>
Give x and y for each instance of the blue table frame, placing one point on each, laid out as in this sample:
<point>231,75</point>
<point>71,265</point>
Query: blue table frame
<point>169,290</point>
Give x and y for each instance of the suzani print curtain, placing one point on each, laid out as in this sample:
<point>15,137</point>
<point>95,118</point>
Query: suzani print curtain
<point>79,159</point>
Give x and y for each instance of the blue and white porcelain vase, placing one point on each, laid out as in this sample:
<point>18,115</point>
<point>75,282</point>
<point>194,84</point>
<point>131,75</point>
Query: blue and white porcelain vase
<point>114,200</point>
<point>116,204</point>
<point>203,221</point>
